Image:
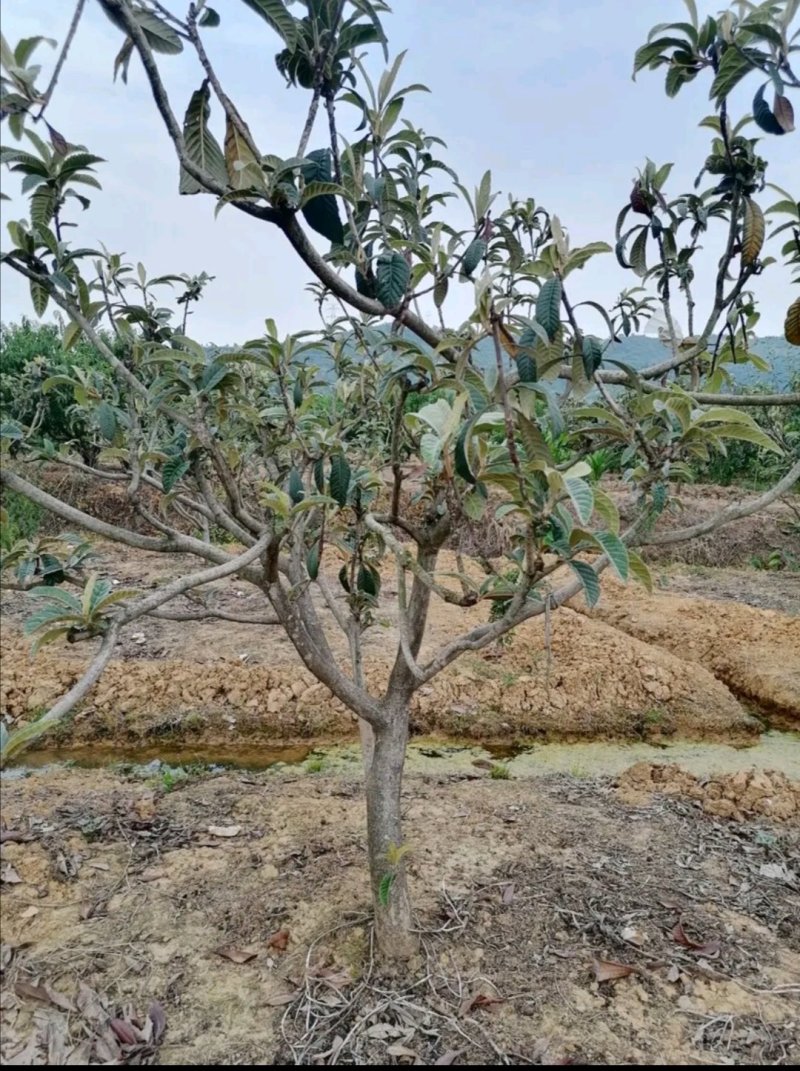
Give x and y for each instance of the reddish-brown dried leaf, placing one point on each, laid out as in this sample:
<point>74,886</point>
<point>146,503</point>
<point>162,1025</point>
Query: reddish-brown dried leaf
<point>158,1018</point>
<point>480,1000</point>
<point>279,940</point>
<point>606,970</point>
<point>124,1031</point>
<point>784,112</point>
<point>236,955</point>
<point>700,948</point>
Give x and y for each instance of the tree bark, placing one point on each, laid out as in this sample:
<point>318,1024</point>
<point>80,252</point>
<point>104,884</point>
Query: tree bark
<point>385,838</point>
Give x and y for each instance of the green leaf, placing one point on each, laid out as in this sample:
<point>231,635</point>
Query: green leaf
<point>733,66</point>
<point>242,167</point>
<point>43,202</point>
<point>160,35</point>
<point>297,491</point>
<point>639,253</point>
<point>639,570</point>
<point>318,166</point>
<point>201,146</point>
<point>592,355</point>
<point>276,16</point>
<point>440,291</point>
<point>339,482</point>
<point>588,578</point>
<point>474,254</point>
<point>368,580</point>
<point>312,561</point>
<point>548,306</point>
<point>581,495</point>
<point>322,216</point>
<point>209,17</point>
<point>319,475</point>
<point>39,297</point>
<point>460,454</point>
<point>385,888</point>
<point>392,274</point>
<point>606,508</point>
<point>617,552</point>
<point>762,113</point>
<point>171,471</point>
<point>106,421</point>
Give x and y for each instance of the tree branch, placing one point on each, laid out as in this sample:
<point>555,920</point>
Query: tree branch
<point>734,512</point>
<point>20,737</point>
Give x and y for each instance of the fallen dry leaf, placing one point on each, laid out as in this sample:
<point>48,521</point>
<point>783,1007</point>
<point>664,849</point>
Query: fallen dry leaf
<point>158,1018</point>
<point>9,876</point>
<point>701,948</point>
<point>13,836</point>
<point>279,940</point>
<point>29,912</point>
<point>153,873</point>
<point>480,1000</point>
<point>633,936</point>
<point>90,1005</point>
<point>237,955</point>
<point>45,993</point>
<point>277,1000</point>
<point>448,1057</point>
<point>606,970</point>
<point>401,1051</point>
<point>124,1031</point>
<point>224,831</point>
<point>508,894</point>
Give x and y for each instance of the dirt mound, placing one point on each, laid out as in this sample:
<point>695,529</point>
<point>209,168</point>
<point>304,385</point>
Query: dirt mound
<point>596,681</point>
<point>755,652</point>
<point>741,795</point>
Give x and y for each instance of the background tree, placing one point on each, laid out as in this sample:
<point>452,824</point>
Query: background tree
<point>303,473</point>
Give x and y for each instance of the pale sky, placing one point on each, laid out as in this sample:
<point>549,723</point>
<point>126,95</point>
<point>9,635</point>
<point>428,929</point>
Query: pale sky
<point>539,91</point>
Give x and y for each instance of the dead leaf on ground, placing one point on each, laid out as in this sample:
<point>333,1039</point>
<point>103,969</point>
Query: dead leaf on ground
<point>29,912</point>
<point>124,1031</point>
<point>480,1000</point>
<point>224,831</point>
<point>158,1018</point>
<point>606,970</point>
<point>237,955</point>
<point>153,873</point>
<point>90,1005</point>
<point>448,1058</point>
<point>45,993</point>
<point>14,836</point>
<point>508,894</point>
<point>9,876</point>
<point>277,1000</point>
<point>402,1051</point>
<point>701,948</point>
<point>279,940</point>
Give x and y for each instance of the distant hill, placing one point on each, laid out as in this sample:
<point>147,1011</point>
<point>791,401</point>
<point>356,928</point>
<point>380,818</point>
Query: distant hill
<point>639,351</point>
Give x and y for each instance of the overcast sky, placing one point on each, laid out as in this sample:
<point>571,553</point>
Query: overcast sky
<point>540,91</point>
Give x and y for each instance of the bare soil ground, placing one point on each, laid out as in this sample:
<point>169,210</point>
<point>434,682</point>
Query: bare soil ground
<point>239,904</point>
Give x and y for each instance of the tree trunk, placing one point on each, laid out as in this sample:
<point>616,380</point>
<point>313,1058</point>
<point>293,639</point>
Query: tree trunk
<point>385,839</point>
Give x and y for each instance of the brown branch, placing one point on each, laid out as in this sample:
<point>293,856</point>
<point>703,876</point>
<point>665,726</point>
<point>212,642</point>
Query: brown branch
<point>73,26</point>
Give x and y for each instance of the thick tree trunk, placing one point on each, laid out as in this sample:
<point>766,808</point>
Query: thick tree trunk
<point>385,839</point>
